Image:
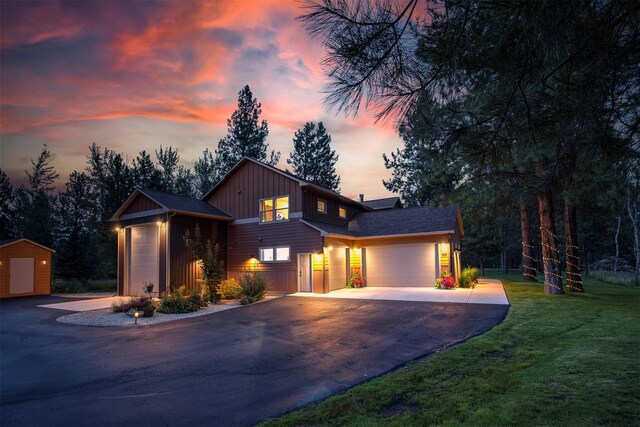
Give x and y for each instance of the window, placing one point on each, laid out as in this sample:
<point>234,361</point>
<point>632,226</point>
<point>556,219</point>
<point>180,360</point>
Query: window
<point>342,211</point>
<point>275,254</point>
<point>322,206</point>
<point>274,209</point>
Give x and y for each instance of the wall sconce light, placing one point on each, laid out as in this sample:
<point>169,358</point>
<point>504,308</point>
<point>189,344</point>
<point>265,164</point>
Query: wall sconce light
<point>159,223</point>
<point>318,256</point>
<point>44,262</point>
<point>116,229</point>
<point>330,248</point>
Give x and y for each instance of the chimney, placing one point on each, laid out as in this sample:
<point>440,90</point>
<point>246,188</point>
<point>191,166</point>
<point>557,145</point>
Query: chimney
<point>361,197</point>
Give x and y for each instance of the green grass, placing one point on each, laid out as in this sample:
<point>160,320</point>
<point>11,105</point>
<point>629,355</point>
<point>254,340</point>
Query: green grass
<point>569,360</point>
<point>105,285</point>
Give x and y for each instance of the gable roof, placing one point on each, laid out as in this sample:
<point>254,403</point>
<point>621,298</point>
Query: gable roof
<point>300,181</point>
<point>10,242</point>
<point>396,222</point>
<point>386,203</point>
<point>171,203</point>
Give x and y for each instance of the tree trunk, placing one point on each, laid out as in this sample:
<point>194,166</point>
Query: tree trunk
<point>549,243</point>
<point>615,261</point>
<point>529,272</point>
<point>574,281</point>
<point>633,216</point>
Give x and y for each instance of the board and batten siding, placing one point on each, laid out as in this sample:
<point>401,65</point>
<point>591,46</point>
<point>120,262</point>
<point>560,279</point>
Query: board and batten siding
<point>42,271</point>
<point>245,240</point>
<point>183,268</point>
<point>310,208</point>
<point>140,204</point>
<point>240,194</point>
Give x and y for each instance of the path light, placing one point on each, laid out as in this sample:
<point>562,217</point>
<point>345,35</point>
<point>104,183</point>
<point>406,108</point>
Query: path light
<point>136,314</point>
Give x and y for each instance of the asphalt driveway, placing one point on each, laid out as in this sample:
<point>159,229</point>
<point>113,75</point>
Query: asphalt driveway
<point>236,367</point>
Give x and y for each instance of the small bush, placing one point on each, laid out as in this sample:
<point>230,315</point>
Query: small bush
<point>446,281</point>
<point>144,304</point>
<point>68,286</point>
<point>229,289</point>
<point>253,287</point>
<point>469,277</point>
<point>181,301</point>
<point>356,281</point>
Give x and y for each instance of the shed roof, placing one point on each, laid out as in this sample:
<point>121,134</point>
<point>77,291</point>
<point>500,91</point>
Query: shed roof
<point>10,242</point>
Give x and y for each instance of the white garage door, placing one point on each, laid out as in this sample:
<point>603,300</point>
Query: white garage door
<point>337,268</point>
<point>144,258</point>
<point>21,280</point>
<point>401,265</point>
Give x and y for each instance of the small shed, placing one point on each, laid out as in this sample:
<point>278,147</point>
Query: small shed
<point>25,268</point>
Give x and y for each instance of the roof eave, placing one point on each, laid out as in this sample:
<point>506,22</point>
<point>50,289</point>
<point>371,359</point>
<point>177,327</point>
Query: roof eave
<point>24,239</point>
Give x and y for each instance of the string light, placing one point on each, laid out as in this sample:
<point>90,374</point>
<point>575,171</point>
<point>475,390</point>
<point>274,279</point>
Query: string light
<point>553,259</point>
<point>526,268</point>
<point>574,281</point>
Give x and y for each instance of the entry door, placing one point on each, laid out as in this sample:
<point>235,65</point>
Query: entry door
<point>304,272</point>
<point>22,277</point>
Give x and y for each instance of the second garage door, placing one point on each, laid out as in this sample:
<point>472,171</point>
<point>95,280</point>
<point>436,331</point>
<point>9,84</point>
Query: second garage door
<point>144,258</point>
<point>401,265</point>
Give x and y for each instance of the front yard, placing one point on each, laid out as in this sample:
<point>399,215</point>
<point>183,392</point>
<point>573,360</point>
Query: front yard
<point>568,360</point>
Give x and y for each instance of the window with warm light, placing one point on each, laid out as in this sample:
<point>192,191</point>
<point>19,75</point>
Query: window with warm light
<point>277,254</point>
<point>342,211</point>
<point>274,209</point>
<point>322,206</point>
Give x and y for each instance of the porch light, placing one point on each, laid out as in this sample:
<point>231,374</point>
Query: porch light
<point>159,223</point>
<point>318,256</point>
<point>445,247</point>
<point>116,229</point>
<point>44,262</point>
<point>330,247</point>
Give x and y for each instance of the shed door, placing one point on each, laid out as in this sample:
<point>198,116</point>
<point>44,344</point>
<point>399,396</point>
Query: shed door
<point>401,265</point>
<point>22,277</point>
<point>144,258</point>
<point>337,268</point>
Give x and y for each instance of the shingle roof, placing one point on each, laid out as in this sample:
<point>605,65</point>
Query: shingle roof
<point>386,203</point>
<point>393,222</point>
<point>183,204</point>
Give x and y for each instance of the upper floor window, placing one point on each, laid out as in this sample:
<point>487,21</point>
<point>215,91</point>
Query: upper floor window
<point>322,206</point>
<point>342,211</point>
<point>274,209</point>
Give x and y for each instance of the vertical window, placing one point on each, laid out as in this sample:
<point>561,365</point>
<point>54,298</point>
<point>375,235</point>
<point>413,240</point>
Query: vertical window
<point>322,206</point>
<point>342,211</point>
<point>274,209</point>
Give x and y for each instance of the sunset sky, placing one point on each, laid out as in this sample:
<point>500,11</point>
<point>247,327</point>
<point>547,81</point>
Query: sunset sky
<point>132,75</point>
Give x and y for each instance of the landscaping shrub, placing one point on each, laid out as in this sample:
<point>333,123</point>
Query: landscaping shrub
<point>68,286</point>
<point>469,277</point>
<point>356,281</point>
<point>253,287</point>
<point>229,289</point>
<point>180,301</point>
<point>144,304</point>
<point>445,282</point>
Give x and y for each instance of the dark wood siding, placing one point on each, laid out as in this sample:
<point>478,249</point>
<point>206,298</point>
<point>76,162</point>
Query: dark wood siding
<point>240,194</point>
<point>246,239</point>
<point>141,203</point>
<point>183,269</point>
<point>310,208</point>
<point>120,265</point>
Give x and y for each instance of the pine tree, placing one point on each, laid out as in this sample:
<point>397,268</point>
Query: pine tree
<point>246,136</point>
<point>145,173</point>
<point>312,157</point>
<point>35,204</point>
<point>168,162</point>
<point>6,210</point>
<point>205,172</point>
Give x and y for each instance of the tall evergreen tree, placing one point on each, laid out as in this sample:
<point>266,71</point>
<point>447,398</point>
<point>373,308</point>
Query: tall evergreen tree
<point>312,157</point>
<point>145,172</point>
<point>35,203</point>
<point>246,137</point>
<point>205,172</point>
<point>183,182</point>
<point>6,208</point>
<point>77,219</point>
<point>168,160</point>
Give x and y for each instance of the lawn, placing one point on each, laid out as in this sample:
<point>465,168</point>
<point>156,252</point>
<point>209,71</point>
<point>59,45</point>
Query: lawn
<point>556,360</point>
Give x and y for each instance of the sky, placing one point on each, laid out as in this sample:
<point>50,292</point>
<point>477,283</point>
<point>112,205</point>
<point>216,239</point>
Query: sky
<point>134,75</point>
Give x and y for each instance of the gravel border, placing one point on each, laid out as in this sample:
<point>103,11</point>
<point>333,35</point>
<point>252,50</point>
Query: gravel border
<point>106,317</point>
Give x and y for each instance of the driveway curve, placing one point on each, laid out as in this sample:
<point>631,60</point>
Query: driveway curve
<point>232,368</point>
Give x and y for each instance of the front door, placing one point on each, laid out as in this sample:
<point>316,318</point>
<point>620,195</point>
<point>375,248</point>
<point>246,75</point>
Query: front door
<point>304,272</point>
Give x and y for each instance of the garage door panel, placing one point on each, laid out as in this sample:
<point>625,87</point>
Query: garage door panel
<point>337,268</point>
<point>401,265</point>
<point>22,277</point>
<point>144,258</point>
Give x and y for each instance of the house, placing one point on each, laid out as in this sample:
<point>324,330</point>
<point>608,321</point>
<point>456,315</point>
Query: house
<point>25,268</point>
<point>300,236</point>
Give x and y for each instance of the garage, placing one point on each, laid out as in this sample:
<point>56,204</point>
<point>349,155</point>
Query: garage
<point>25,268</point>
<point>144,258</point>
<point>401,265</point>
<point>337,268</point>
